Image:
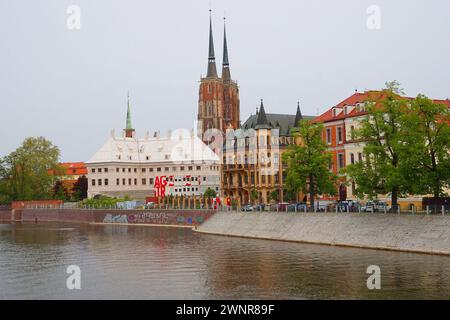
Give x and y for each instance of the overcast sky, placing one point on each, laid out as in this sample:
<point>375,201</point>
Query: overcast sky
<point>71,85</point>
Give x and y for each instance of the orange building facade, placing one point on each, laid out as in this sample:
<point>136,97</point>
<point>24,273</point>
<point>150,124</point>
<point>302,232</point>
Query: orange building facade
<point>339,122</point>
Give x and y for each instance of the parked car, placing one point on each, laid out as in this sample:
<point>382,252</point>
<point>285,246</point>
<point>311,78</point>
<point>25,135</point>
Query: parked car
<point>375,205</point>
<point>247,208</point>
<point>282,206</point>
<point>260,207</point>
<point>348,205</point>
<point>299,207</point>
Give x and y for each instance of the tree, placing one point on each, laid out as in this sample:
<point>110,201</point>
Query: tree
<point>274,195</point>
<point>384,133</point>
<point>80,188</point>
<point>254,195</point>
<point>309,162</point>
<point>60,192</point>
<point>25,173</point>
<point>428,138</point>
<point>210,193</point>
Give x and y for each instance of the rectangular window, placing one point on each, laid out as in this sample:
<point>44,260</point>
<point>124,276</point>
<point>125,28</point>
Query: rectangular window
<point>143,170</point>
<point>99,170</point>
<point>352,158</point>
<point>129,169</point>
<point>181,168</point>
<point>190,168</point>
<point>106,182</point>
<point>144,181</point>
<point>166,169</point>
<point>123,181</point>
<point>359,156</point>
<point>99,182</point>
<point>339,134</point>
<point>129,181</point>
<point>117,182</point>
<point>106,169</point>
<point>117,169</point>
<point>135,169</point>
<point>93,170</point>
<point>135,181</point>
<point>341,162</point>
<point>151,181</point>
<point>123,169</point>
<point>93,182</point>
<point>328,136</point>
<point>198,168</point>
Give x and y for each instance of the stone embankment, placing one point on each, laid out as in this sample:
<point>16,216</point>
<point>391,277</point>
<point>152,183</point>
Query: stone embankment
<point>410,233</point>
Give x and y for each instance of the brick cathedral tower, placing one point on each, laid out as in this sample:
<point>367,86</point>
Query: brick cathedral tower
<point>218,103</point>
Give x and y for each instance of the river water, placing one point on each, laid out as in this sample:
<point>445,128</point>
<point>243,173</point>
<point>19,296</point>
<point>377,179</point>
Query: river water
<point>121,262</point>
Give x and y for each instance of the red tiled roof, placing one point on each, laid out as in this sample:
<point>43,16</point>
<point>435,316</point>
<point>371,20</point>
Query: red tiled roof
<point>73,168</point>
<point>358,97</point>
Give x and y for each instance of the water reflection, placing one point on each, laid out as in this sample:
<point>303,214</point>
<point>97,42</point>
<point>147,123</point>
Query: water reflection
<point>123,262</point>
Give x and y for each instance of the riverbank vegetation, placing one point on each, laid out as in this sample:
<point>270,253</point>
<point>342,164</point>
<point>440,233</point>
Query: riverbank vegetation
<point>406,146</point>
<point>24,173</point>
<point>308,163</point>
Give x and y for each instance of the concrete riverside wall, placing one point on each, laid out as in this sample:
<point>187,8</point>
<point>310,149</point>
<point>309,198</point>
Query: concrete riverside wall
<point>422,234</point>
<point>180,218</point>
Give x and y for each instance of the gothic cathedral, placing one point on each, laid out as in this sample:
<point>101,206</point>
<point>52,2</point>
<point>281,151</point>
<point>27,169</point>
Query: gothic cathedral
<point>218,103</point>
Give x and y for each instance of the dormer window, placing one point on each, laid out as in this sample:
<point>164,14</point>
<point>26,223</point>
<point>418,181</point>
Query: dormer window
<point>334,112</point>
<point>345,110</point>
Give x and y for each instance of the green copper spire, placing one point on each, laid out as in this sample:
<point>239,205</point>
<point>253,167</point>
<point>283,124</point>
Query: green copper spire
<point>129,131</point>
<point>129,126</point>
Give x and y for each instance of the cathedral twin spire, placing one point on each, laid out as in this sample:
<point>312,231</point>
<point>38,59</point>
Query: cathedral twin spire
<point>212,70</point>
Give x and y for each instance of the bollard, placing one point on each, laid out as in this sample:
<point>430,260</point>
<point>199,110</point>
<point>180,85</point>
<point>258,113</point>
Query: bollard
<point>428,210</point>
<point>295,208</point>
<point>348,209</point>
<point>385,210</point>
<point>398,208</point>
<point>443,210</point>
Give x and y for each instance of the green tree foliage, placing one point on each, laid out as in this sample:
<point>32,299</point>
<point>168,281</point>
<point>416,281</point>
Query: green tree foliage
<point>428,139</point>
<point>24,173</point>
<point>210,193</point>
<point>406,146</point>
<point>274,195</point>
<point>384,133</point>
<point>254,195</point>
<point>309,163</point>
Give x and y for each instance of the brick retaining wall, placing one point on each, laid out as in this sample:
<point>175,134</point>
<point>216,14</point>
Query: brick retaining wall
<point>188,218</point>
<point>5,215</point>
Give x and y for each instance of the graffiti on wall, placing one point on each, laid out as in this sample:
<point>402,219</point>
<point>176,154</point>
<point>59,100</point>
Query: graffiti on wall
<point>156,218</point>
<point>116,218</point>
<point>149,218</point>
